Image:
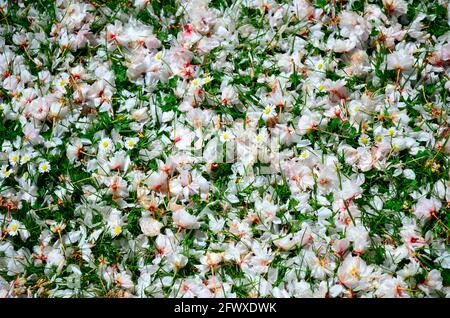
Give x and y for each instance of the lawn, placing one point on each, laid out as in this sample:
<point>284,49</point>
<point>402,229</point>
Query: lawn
<point>224,148</point>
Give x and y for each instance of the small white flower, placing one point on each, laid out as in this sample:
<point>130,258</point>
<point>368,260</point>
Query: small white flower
<point>183,219</point>
<point>150,226</point>
<point>379,138</point>
<point>268,112</point>
<point>56,258</point>
<point>123,280</point>
<point>226,136</point>
<point>44,167</point>
<point>206,80</point>
<point>364,140</point>
<point>115,222</point>
<point>25,158</point>
<point>131,142</point>
<point>177,261</point>
<point>391,131</point>
<point>13,228</point>
<point>426,208</point>
<point>14,158</point>
<point>61,82</point>
<point>400,60</point>
<point>320,66</point>
<point>5,172</point>
<point>196,82</point>
<point>116,230</point>
<point>211,259</point>
<point>106,145</point>
<point>304,155</point>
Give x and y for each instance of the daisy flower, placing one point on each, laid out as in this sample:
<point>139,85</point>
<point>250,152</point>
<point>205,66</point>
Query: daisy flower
<point>44,167</point>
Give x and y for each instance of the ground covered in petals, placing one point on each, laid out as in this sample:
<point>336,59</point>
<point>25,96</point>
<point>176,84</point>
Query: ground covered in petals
<point>224,148</point>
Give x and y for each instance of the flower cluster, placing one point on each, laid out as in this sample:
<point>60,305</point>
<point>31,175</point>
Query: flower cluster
<point>224,148</point>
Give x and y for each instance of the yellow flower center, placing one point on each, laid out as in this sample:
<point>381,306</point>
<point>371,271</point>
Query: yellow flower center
<point>117,229</point>
<point>354,272</point>
<point>395,147</point>
<point>323,262</point>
